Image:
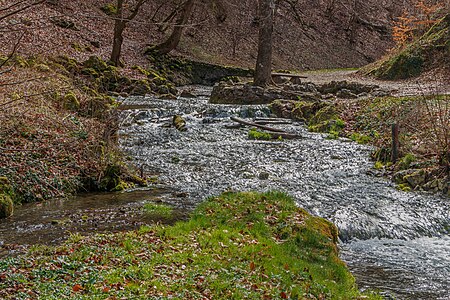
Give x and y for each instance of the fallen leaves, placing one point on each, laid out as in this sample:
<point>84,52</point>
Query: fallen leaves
<point>77,288</point>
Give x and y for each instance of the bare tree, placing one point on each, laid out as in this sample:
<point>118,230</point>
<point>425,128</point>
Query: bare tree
<point>120,24</point>
<point>174,39</point>
<point>264,59</point>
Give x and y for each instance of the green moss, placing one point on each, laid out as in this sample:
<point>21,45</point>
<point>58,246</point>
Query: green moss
<point>378,165</point>
<point>141,70</point>
<point>97,64</point>
<point>69,64</point>
<point>117,178</point>
<point>360,138</point>
<point>305,110</point>
<point>331,126</point>
<point>110,9</point>
<point>255,134</point>
<point>406,161</point>
<point>42,68</point>
<point>71,101</point>
<point>20,61</point>
<point>402,66</point>
<point>404,187</point>
<point>121,186</point>
<point>6,203</point>
<point>6,206</point>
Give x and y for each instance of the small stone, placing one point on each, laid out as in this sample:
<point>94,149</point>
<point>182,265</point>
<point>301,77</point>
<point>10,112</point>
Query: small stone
<point>263,176</point>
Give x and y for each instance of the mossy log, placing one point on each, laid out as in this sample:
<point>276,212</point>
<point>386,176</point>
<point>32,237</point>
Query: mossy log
<point>274,132</point>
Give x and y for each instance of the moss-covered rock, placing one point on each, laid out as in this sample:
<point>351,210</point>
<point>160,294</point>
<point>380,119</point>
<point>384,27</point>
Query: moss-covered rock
<point>71,101</point>
<point>6,203</point>
<point>306,110</point>
<point>141,88</point>
<point>96,63</point>
<point>68,64</point>
<point>417,178</point>
<point>6,206</point>
<point>64,23</point>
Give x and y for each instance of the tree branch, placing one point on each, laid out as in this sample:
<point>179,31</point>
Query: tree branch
<point>21,9</point>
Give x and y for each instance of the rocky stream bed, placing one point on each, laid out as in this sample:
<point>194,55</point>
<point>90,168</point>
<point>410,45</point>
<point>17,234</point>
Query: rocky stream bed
<point>393,241</point>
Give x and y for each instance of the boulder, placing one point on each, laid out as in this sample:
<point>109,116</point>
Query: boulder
<point>416,178</point>
<point>187,94</point>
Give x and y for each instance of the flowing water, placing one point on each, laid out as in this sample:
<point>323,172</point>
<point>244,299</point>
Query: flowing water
<point>393,241</point>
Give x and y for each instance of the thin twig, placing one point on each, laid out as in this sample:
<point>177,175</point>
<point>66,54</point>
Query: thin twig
<point>13,51</point>
<point>21,9</point>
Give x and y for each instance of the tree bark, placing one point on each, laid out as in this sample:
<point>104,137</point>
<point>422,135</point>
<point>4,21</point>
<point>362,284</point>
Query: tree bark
<point>119,27</point>
<point>174,39</point>
<point>264,59</point>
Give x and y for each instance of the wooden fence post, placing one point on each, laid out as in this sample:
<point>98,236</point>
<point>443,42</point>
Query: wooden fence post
<point>395,143</point>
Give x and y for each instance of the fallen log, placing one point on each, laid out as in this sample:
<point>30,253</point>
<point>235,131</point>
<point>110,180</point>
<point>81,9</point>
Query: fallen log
<point>272,122</point>
<point>284,135</point>
<point>248,123</point>
<point>272,119</point>
<point>274,132</point>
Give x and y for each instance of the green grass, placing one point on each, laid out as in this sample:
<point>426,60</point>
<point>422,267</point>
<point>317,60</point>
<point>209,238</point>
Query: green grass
<point>235,246</point>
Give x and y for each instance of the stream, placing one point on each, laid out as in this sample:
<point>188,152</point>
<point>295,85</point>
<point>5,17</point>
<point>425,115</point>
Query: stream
<point>393,241</point>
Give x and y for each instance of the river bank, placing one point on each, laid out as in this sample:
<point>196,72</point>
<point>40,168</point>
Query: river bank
<point>240,245</point>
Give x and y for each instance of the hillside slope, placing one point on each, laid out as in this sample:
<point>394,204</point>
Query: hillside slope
<point>308,34</point>
<point>431,51</point>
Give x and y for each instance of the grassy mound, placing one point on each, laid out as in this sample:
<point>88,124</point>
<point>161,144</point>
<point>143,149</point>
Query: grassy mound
<point>432,50</point>
<point>235,246</point>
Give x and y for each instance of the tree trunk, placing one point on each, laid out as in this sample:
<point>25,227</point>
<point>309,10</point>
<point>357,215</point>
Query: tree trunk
<point>119,27</point>
<point>264,59</point>
<point>172,42</point>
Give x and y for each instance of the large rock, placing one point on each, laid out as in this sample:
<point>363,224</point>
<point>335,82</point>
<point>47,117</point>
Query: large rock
<point>417,178</point>
<point>225,93</point>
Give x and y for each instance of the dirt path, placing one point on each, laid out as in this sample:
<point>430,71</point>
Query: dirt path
<point>424,85</point>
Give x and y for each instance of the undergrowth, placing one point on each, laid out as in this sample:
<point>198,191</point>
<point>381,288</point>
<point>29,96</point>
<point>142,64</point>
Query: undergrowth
<point>57,133</point>
<point>424,138</point>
